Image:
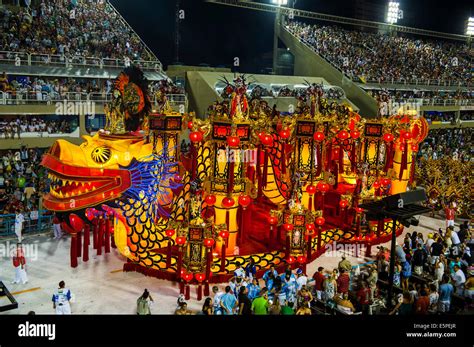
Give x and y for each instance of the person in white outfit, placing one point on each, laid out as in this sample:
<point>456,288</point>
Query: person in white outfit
<point>19,263</point>
<point>57,227</point>
<point>61,299</point>
<point>19,219</point>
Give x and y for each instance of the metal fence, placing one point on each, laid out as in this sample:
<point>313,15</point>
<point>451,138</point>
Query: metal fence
<point>42,224</point>
<point>434,102</point>
<point>36,59</point>
<point>50,98</point>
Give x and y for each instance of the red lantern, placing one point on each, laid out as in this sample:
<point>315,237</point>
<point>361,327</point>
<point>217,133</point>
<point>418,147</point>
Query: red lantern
<point>285,133</point>
<point>210,200</point>
<point>405,135</point>
<point>376,185</point>
<point>233,141</point>
<point>273,220</point>
<point>188,277</point>
<point>260,134</point>
<point>228,202</point>
<point>209,243</point>
<point>385,181</point>
<point>355,134</point>
<point>170,232</point>
<point>76,222</point>
<point>267,140</point>
<point>388,137</point>
<point>190,124</point>
<point>414,148</point>
<point>323,187</point>
<point>310,227</point>
<point>224,234</point>
<point>291,260</point>
<point>177,178</point>
<point>200,277</point>
<point>180,240</point>
<point>359,209</point>
<point>311,189</point>
<point>343,135</point>
<point>196,136</point>
<point>343,203</point>
<point>318,136</point>
<point>301,259</point>
<point>244,200</point>
<point>288,226</point>
<point>320,221</point>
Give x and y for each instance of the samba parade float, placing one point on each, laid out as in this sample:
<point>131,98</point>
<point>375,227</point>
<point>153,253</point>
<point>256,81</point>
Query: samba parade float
<point>189,199</point>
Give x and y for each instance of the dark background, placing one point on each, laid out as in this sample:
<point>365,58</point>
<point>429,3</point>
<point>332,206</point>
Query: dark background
<point>215,34</point>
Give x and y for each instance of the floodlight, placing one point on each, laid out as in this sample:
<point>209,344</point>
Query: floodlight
<point>393,12</point>
<point>470,26</point>
<point>280,2</point>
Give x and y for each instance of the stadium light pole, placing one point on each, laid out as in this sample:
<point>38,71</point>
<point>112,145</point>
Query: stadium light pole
<point>278,21</point>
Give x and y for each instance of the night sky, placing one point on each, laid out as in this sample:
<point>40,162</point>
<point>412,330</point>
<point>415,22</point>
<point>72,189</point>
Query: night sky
<point>214,34</point>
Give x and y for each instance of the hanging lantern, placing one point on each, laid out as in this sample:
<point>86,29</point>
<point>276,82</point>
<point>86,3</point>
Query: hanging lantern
<point>200,277</point>
<point>376,185</point>
<point>310,227</point>
<point>196,136</point>
<point>301,259</point>
<point>233,141</point>
<point>190,124</point>
<point>318,136</point>
<point>180,240</point>
<point>266,140</point>
<point>323,187</point>
<point>359,209</point>
<point>406,135</point>
<point>170,232</point>
<point>209,243</point>
<point>228,202</point>
<point>385,181</point>
<point>210,200</point>
<point>272,220</point>
<point>414,148</point>
<point>343,135</point>
<point>320,221</point>
<point>288,226</point>
<point>76,222</point>
<point>188,277</point>
<point>343,203</point>
<point>224,234</point>
<point>311,189</point>
<point>285,133</point>
<point>245,200</point>
<point>355,134</point>
<point>291,260</point>
<point>387,137</point>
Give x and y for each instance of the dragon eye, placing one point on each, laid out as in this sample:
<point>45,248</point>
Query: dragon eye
<point>101,154</point>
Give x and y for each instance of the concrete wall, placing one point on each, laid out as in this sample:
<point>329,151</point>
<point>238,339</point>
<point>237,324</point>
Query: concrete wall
<point>308,63</point>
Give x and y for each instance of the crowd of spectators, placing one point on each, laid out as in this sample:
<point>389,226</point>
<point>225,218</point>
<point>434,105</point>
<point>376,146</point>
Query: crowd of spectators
<point>13,128</point>
<point>21,180</point>
<point>382,57</point>
<point>70,29</point>
<point>432,273</point>
<point>57,89</point>
<point>455,143</point>
<point>402,95</point>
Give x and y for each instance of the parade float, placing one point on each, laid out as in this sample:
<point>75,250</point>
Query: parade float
<point>189,199</point>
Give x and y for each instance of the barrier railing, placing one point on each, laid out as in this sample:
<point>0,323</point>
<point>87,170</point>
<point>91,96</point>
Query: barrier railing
<point>50,98</point>
<point>434,101</point>
<point>36,59</point>
<point>42,224</point>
